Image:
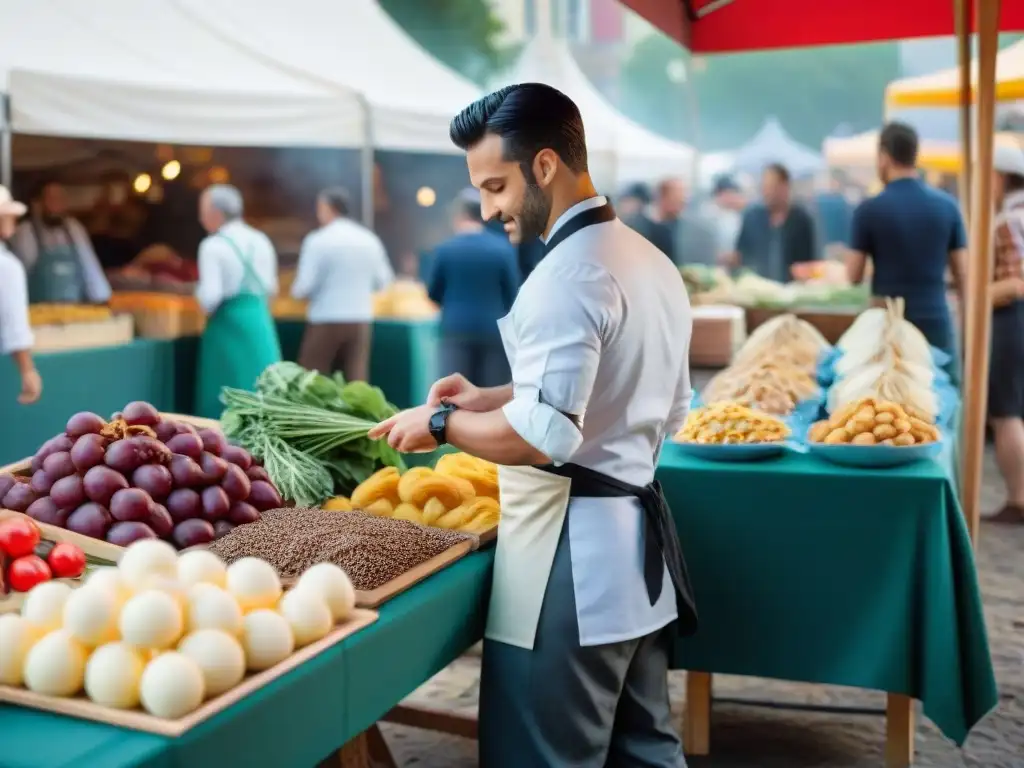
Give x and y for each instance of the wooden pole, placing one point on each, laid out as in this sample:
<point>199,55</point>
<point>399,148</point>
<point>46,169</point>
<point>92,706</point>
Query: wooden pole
<point>963,39</point>
<point>979,305</point>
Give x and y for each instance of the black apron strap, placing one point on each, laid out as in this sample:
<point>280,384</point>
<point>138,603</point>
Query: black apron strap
<point>661,541</point>
<point>588,218</point>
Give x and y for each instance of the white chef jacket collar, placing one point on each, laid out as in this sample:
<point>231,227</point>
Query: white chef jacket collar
<point>1013,200</point>
<point>580,207</point>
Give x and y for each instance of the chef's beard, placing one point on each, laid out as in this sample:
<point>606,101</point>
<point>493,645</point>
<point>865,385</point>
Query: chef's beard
<point>534,215</point>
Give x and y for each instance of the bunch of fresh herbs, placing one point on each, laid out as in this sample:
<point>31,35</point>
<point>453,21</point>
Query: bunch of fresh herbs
<point>309,430</point>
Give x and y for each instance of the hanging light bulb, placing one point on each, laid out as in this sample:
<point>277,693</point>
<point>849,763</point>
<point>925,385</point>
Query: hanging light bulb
<point>171,170</point>
<point>142,183</point>
<point>426,197</point>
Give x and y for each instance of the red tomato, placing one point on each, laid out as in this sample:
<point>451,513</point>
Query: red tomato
<point>18,537</point>
<point>66,561</point>
<point>25,572</point>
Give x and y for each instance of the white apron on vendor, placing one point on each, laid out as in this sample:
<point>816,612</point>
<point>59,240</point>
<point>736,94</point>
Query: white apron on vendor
<point>590,588</point>
<point>60,262</point>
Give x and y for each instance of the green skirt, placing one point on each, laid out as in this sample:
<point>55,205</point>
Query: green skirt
<point>239,342</point>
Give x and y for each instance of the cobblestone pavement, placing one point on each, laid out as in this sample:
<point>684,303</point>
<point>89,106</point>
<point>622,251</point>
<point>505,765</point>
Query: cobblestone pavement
<point>749,737</point>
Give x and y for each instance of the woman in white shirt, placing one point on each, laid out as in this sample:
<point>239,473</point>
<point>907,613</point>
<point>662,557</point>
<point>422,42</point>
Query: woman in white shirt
<point>237,273</point>
<point>15,330</point>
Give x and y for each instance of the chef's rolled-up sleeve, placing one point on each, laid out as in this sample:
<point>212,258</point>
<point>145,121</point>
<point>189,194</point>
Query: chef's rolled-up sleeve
<point>210,289</point>
<point>560,323</point>
<point>15,328</point>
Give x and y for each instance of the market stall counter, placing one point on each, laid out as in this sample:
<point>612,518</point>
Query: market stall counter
<point>403,359</point>
<point>301,717</point>
<point>811,572</point>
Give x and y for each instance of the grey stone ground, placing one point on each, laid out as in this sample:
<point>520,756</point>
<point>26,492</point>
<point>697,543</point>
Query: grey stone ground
<point>746,737</point>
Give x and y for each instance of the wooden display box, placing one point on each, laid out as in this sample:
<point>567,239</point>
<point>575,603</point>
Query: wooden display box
<point>161,315</point>
<point>100,333</point>
<point>718,332</point>
<point>136,719</point>
<point>830,323</point>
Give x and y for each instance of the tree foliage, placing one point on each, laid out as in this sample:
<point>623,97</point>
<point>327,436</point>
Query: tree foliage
<point>461,33</point>
<point>810,90</point>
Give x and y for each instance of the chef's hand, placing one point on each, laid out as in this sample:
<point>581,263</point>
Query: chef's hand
<point>408,431</point>
<point>31,387</point>
<point>457,390</point>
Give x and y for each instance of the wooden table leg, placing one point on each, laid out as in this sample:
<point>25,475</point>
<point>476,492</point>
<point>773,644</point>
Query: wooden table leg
<point>900,729</point>
<point>380,753</point>
<point>697,715</point>
<point>355,754</point>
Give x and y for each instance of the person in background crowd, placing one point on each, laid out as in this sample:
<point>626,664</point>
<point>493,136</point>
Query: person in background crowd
<point>835,213</point>
<point>15,330</point>
<point>1006,367</point>
<point>724,215</point>
<point>776,233</point>
<point>661,226</point>
<point>237,274</point>
<point>58,256</point>
<point>632,205</point>
<point>912,233</point>
<point>475,280</point>
<point>341,266</point>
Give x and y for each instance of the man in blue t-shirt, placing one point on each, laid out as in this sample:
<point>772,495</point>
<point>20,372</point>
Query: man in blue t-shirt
<point>474,278</point>
<point>912,233</point>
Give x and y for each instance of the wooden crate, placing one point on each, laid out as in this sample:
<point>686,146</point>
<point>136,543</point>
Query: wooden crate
<point>119,329</point>
<point>830,323</point>
<point>138,720</point>
<point>718,332</point>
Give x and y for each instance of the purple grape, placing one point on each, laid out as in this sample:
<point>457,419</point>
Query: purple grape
<point>59,464</point>
<point>154,479</point>
<point>84,423</point>
<point>256,472</point>
<point>160,521</point>
<point>264,496</point>
<point>166,429</point>
<point>215,503</point>
<point>185,429</point>
<point>130,505</point>
<point>236,455</point>
<point>141,414</point>
<point>90,519</point>
<point>88,451</point>
<point>19,497</point>
<point>123,534</point>
<point>55,444</point>
<point>41,482</point>
<point>68,492</point>
<point>6,483</point>
<point>101,483</point>
<point>222,527</point>
<point>186,472</point>
<point>184,504</point>
<point>236,483</point>
<point>187,445</point>
<point>213,441</point>
<point>189,533</point>
<point>44,510</point>
<point>242,513</point>
<point>213,467</point>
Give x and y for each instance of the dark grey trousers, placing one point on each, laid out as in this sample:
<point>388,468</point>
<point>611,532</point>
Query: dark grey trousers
<point>482,360</point>
<point>565,706</point>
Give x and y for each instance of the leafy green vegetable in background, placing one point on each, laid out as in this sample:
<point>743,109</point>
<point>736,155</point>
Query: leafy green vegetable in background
<point>310,430</point>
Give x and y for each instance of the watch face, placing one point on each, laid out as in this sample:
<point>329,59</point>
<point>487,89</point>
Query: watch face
<point>437,424</point>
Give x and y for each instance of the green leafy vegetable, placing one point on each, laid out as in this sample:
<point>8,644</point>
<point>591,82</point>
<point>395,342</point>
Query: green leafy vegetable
<point>310,430</point>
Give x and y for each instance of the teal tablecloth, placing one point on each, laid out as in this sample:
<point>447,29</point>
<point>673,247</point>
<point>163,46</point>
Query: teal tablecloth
<point>403,358</point>
<point>297,720</point>
<point>810,572</point>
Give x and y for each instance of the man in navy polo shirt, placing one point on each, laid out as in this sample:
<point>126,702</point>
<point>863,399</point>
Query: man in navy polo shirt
<point>912,233</point>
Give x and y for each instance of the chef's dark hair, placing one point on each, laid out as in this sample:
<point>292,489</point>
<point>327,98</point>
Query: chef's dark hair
<point>337,199</point>
<point>899,141</point>
<point>780,171</point>
<point>528,117</point>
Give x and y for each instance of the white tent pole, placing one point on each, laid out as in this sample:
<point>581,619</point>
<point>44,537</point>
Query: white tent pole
<point>366,165</point>
<point>6,155</point>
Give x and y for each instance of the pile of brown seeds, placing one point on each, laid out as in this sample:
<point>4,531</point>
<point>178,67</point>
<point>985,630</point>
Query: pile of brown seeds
<point>371,550</point>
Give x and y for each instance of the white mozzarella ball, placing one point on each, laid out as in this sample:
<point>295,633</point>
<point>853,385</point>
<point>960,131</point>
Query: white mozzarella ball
<point>17,636</point>
<point>267,639</point>
<point>308,615</point>
<point>171,686</point>
<point>91,614</point>
<point>254,583</point>
<point>147,558</point>
<point>151,619</point>
<point>44,605</point>
<point>55,666</point>
<point>220,658</point>
<point>334,586</point>
<point>201,566</point>
<point>113,675</point>
<point>211,607</point>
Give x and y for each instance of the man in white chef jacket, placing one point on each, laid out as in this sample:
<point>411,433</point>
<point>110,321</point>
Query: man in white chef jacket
<point>589,585</point>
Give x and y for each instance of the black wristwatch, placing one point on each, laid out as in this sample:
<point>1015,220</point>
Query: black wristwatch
<point>439,422</point>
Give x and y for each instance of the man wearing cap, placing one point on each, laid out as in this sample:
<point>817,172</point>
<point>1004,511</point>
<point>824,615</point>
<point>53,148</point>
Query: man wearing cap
<point>475,278</point>
<point>15,330</point>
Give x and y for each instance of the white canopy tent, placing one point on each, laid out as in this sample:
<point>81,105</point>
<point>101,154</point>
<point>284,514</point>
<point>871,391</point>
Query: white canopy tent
<point>354,45</point>
<point>144,71</point>
<point>620,150</point>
